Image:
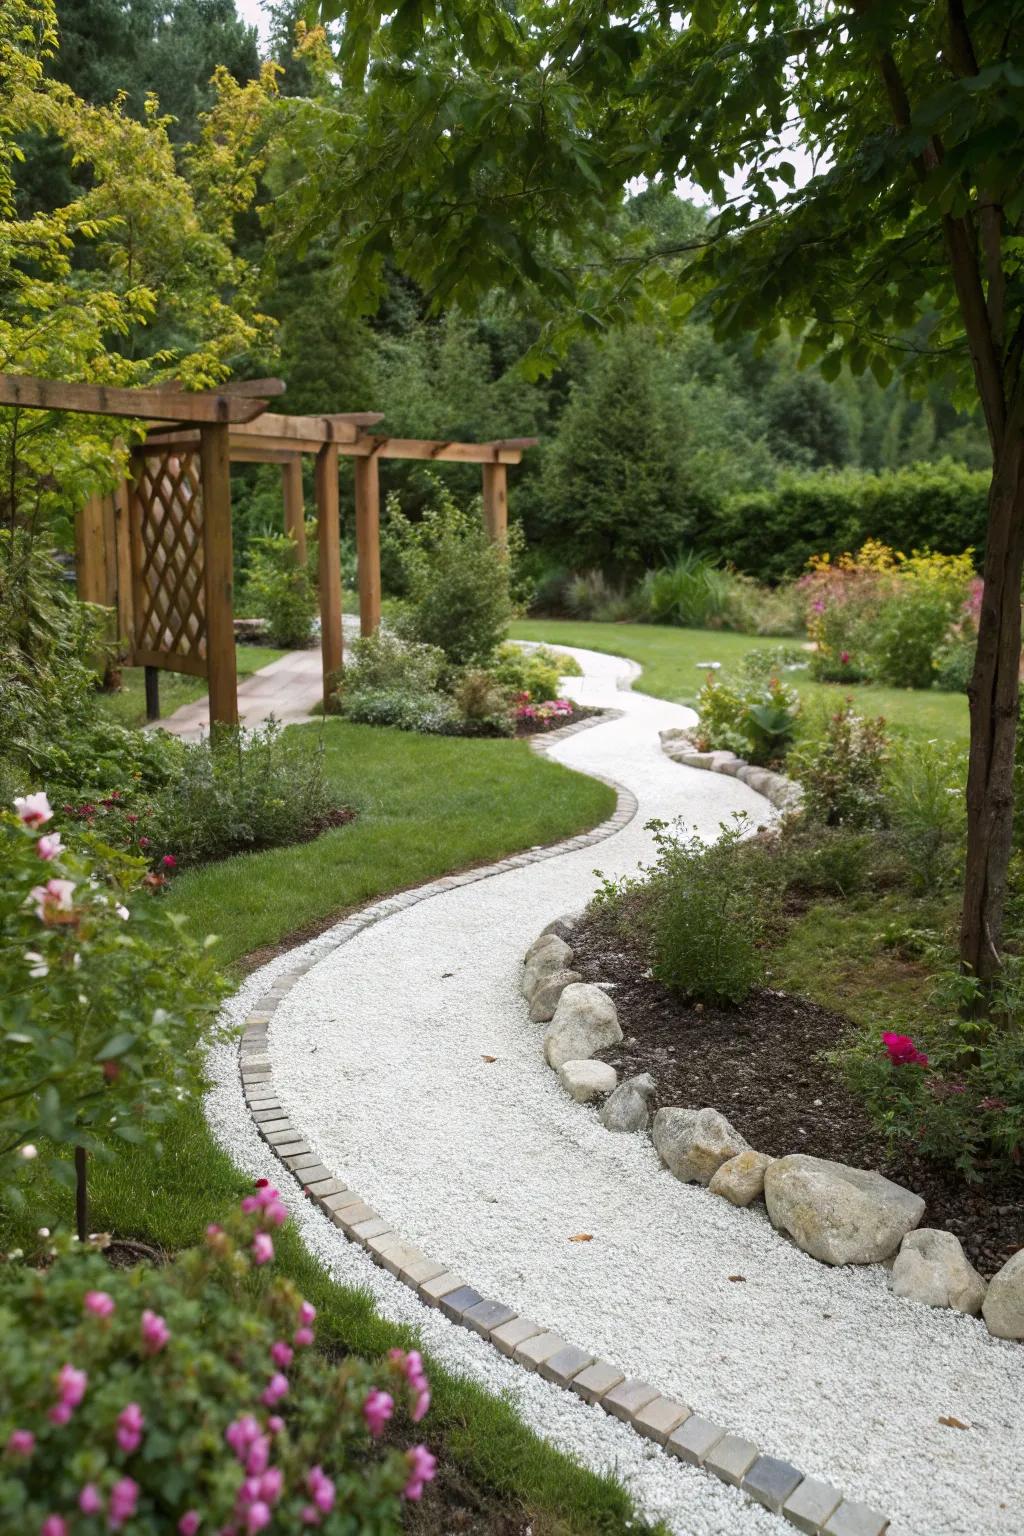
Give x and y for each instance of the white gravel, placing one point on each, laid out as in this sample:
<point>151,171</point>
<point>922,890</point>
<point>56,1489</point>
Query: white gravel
<point>378,1056</point>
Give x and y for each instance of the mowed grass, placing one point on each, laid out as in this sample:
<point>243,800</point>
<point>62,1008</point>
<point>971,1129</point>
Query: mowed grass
<point>426,805</point>
<point>671,661</point>
<point>128,706</point>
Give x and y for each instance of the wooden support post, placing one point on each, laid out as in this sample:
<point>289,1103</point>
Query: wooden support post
<point>496,501</point>
<point>329,548</point>
<point>221,670</point>
<point>152,677</point>
<point>90,552</point>
<point>294,506</point>
<point>123,557</point>
<point>368,543</point>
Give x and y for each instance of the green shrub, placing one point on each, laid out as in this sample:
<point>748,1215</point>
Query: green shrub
<point>751,608</point>
<point>484,704</point>
<point>459,586</point>
<point>434,713</point>
<point>691,592</point>
<point>385,661</point>
<point>191,1397</point>
<point>842,770</point>
<point>101,1006</point>
<point>822,860</point>
<point>953,661</point>
<point>281,590</point>
<point>925,800</point>
<point>590,595</point>
<point>707,916</point>
<point>757,720</point>
<point>536,672</point>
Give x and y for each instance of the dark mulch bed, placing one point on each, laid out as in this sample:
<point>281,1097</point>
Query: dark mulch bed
<point>762,1066</point>
<point>453,1503</point>
<point>556,723</point>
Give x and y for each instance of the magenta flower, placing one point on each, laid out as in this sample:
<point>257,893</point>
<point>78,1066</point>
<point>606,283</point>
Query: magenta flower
<point>844,657</point>
<point>282,1354</point>
<point>421,1406</point>
<point>71,1385</point>
<point>188,1525</point>
<point>54,1525</point>
<point>902,1050</point>
<point>124,1498</point>
<point>21,1442</point>
<point>241,1434</point>
<point>276,1213</point>
<point>422,1468</point>
<point>302,1338</point>
<point>377,1409</point>
<point>60,1414</point>
<point>90,1500</point>
<point>262,1248</point>
<point>275,1424</point>
<point>131,1422</point>
<point>33,810</point>
<point>49,845</point>
<point>307,1312</point>
<point>271,1485</point>
<point>99,1303</point>
<point>155,1332</point>
<point>258,1457</point>
<point>276,1388</point>
<point>249,1205</point>
<point>169,861</point>
<point>320,1489</point>
<point>257,1516</point>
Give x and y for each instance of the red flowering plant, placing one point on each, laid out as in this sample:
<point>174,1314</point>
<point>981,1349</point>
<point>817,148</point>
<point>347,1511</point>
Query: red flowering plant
<point>192,1399</point>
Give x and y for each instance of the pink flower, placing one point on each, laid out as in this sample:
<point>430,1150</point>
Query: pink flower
<point>189,1523</point>
<point>60,1413</point>
<point>271,1485</point>
<point>99,1303</point>
<point>276,1213</point>
<point>241,1434</point>
<point>320,1489</point>
<point>169,861</point>
<point>302,1337</point>
<point>307,1312</point>
<point>249,1205</point>
<point>377,1409</point>
<point>282,1354</point>
<point>21,1442</point>
<point>262,1248</point>
<point>422,1467</point>
<point>155,1332</point>
<point>258,1457</point>
<point>33,810</point>
<point>275,1424</point>
<point>130,1423</point>
<point>124,1498</point>
<point>54,1525</point>
<point>52,898</point>
<point>90,1501</point>
<point>310,1514</point>
<point>49,845</point>
<point>276,1388</point>
<point>71,1385</point>
<point>257,1516</point>
<point>421,1405</point>
<point>844,657</point>
<point>902,1050</point>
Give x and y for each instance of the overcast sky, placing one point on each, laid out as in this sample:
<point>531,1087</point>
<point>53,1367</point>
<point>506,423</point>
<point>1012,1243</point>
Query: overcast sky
<point>252,10</point>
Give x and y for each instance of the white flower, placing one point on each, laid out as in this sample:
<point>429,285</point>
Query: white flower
<point>43,1232</point>
<point>121,911</point>
<point>36,964</point>
<point>28,1152</point>
<point>49,845</point>
<point>33,810</point>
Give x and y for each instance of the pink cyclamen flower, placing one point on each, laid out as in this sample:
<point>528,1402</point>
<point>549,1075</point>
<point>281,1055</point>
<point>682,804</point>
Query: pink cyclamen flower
<point>262,1248</point>
<point>90,1500</point>
<point>21,1442</point>
<point>188,1525</point>
<point>155,1332</point>
<point>33,810</point>
<point>377,1410</point>
<point>422,1468</point>
<point>902,1050</point>
<point>302,1338</point>
<point>54,1525</point>
<point>282,1354</point>
<point>131,1421</point>
<point>99,1303</point>
<point>49,845</point>
<point>276,1388</point>
<point>124,1498</point>
<point>53,897</point>
<point>320,1489</point>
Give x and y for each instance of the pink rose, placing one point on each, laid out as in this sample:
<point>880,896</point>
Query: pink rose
<point>155,1332</point>
<point>99,1303</point>
<point>262,1248</point>
<point>33,810</point>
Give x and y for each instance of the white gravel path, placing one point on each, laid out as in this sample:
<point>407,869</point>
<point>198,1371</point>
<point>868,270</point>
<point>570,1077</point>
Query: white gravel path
<point>378,1057</point>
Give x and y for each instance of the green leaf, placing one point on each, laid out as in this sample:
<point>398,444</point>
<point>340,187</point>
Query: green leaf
<point>117,1046</point>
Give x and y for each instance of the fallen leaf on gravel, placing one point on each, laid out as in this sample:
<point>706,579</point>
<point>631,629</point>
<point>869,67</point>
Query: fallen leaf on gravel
<point>488,1058</point>
<point>582,1237</point>
<point>952,1423</point>
<point>737,1277</point>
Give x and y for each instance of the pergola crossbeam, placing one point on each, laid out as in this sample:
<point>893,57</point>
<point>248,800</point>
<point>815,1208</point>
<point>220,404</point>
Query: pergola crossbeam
<point>156,403</point>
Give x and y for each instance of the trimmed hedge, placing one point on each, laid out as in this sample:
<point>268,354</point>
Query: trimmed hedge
<point>773,533</point>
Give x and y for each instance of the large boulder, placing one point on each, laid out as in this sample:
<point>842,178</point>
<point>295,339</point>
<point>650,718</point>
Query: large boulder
<point>741,1179</point>
<point>931,1267</point>
<point>545,995</point>
<point>585,1021</point>
<point>694,1143</point>
<point>837,1214</point>
<point>547,955</point>
<point>587,1080</point>
<point>562,926</point>
<point>1003,1308</point>
<point>627,1109</point>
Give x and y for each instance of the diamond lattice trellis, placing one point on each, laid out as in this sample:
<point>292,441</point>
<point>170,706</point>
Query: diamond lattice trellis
<point>167,560</point>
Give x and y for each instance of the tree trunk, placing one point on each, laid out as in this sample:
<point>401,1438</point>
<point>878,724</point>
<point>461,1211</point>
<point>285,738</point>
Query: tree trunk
<point>994,696</point>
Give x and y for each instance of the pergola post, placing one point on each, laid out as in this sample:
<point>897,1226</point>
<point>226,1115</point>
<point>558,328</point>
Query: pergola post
<point>294,506</point>
<point>496,501</point>
<point>218,576</point>
<point>368,543</point>
<point>329,566</point>
<point>90,552</point>
<point>123,556</point>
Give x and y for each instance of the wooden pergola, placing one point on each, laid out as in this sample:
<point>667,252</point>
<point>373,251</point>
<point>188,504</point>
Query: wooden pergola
<point>158,549</point>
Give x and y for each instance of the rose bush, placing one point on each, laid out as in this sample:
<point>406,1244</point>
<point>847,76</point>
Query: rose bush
<point>192,1399</point>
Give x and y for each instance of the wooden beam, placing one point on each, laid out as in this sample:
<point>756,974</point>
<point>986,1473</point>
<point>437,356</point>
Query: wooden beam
<point>368,543</point>
<point>103,400</point>
<point>294,506</point>
<point>221,668</point>
<point>315,429</point>
<point>329,563</point>
<point>496,502</point>
<point>443,452</point>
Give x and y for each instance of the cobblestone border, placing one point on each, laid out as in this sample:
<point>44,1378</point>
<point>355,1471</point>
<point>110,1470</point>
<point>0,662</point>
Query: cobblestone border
<point>785,794</point>
<point>810,1505</point>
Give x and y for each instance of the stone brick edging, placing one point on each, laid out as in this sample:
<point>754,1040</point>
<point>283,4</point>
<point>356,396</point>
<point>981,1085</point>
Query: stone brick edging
<point>808,1504</point>
<point>785,794</point>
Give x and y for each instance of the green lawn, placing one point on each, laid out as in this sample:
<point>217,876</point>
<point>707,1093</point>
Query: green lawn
<point>128,707</point>
<point>670,658</point>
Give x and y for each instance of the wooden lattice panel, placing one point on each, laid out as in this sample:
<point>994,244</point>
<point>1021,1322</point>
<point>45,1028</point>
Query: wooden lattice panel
<point>168,560</point>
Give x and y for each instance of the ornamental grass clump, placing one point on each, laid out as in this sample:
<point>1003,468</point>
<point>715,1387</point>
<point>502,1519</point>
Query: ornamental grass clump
<point>192,1399</point>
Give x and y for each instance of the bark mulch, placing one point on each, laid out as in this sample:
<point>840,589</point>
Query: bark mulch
<point>763,1066</point>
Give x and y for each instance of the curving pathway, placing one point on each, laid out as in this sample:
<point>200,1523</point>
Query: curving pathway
<point>378,1055</point>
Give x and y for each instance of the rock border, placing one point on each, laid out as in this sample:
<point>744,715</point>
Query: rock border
<point>808,1503</point>
<point>784,794</point>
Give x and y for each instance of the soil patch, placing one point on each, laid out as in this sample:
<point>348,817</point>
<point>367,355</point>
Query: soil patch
<point>763,1066</point>
<point>537,727</point>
